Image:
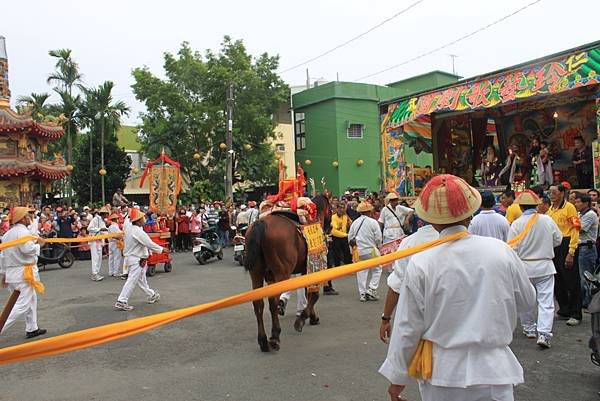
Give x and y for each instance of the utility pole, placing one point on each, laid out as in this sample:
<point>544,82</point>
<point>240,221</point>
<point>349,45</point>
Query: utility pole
<point>307,80</point>
<point>453,57</point>
<point>102,157</point>
<point>229,143</point>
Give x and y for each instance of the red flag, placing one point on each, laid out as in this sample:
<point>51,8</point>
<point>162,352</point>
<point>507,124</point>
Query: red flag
<point>301,179</point>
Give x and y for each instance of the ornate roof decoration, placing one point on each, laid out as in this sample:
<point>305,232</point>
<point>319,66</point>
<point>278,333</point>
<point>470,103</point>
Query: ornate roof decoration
<point>12,122</point>
<point>45,170</point>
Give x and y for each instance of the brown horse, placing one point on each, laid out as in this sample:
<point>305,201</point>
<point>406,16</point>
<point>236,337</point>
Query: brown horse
<point>275,250</point>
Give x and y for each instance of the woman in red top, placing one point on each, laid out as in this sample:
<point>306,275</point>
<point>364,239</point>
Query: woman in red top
<point>183,231</point>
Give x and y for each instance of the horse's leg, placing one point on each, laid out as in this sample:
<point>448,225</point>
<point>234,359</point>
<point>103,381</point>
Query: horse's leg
<point>313,297</point>
<point>275,326</point>
<point>259,306</point>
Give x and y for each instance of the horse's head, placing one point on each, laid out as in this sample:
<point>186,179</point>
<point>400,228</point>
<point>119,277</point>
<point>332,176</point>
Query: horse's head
<point>323,211</point>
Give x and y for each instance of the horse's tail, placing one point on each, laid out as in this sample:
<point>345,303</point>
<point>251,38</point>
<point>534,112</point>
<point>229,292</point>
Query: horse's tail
<point>254,241</point>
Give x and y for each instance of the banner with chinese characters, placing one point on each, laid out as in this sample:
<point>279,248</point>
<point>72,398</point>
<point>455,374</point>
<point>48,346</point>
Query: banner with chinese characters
<point>165,184</point>
<point>316,259</point>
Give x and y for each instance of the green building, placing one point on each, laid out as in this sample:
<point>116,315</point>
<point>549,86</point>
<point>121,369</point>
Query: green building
<point>337,129</point>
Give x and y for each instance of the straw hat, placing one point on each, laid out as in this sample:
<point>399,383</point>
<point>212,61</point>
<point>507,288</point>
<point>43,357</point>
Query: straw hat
<point>104,209</point>
<point>113,216</point>
<point>528,198</point>
<point>364,207</point>
<point>135,215</point>
<point>392,196</point>
<point>17,213</point>
<point>447,199</point>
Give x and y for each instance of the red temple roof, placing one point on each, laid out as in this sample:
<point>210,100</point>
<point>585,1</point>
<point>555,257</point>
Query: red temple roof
<point>16,168</point>
<point>12,122</point>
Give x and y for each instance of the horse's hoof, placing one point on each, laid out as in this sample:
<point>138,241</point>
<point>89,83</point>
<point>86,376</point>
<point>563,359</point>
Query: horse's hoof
<point>274,343</point>
<point>314,321</point>
<point>299,324</point>
<point>264,344</point>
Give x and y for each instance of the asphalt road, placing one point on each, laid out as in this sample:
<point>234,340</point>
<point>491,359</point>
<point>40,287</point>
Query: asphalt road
<point>215,357</point>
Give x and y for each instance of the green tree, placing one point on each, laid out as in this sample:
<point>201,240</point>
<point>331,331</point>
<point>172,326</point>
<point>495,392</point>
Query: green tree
<point>36,104</point>
<point>102,116</point>
<point>186,112</point>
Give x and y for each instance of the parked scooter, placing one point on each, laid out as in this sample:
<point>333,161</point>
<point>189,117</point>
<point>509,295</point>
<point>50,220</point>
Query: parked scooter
<point>207,246</point>
<point>55,252</point>
<point>594,309</point>
<point>239,243</point>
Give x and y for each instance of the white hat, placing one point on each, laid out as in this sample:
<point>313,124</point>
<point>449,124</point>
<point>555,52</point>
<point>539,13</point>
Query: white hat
<point>243,207</point>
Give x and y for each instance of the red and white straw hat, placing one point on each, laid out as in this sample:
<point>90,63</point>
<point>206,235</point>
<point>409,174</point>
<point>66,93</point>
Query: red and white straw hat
<point>528,198</point>
<point>447,199</point>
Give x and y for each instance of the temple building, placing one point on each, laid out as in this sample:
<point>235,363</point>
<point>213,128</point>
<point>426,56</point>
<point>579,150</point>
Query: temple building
<point>25,176</point>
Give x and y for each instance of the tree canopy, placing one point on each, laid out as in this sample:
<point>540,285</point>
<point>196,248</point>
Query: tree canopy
<point>186,112</point>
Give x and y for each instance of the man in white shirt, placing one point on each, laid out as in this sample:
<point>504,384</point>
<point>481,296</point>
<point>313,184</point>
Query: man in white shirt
<point>536,250</point>
<point>365,234</point>
<point>115,255</point>
<point>393,217</point>
<point>424,234</point>
<point>253,212</point>
<point>97,227</point>
<point>488,223</point>
<point>462,299</point>
<point>137,244</point>
<point>243,217</point>
<point>14,263</point>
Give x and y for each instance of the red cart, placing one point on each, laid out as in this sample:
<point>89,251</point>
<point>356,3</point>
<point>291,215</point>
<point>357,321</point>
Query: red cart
<point>161,239</point>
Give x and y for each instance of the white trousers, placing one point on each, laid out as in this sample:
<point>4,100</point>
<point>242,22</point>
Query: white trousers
<point>544,287</point>
<point>363,276</point>
<point>96,254</point>
<point>430,392</point>
<point>301,301</point>
<point>136,276</point>
<point>26,307</point>
<point>115,259</point>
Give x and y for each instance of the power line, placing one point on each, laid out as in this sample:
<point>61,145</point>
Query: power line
<point>450,43</point>
<point>353,39</point>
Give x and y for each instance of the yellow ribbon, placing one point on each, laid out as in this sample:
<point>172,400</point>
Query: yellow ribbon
<point>117,331</point>
<point>29,278</point>
<point>421,365</point>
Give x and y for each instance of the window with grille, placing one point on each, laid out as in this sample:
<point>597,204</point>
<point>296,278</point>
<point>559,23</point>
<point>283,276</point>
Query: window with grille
<point>280,147</point>
<point>299,132</point>
<point>355,131</point>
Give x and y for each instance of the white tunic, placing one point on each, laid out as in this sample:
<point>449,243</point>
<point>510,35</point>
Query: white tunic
<point>137,243</point>
<point>392,225</point>
<point>488,223</point>
<point>96,226</point>
<point>424,234</point>
<point>113,229</point>
<point>365,230</point>
<point>464,296</point>
<point>14,258</point>
<point>536,249</point>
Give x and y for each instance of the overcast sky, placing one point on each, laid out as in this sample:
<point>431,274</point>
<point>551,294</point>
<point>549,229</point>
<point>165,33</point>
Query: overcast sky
<point>109,38</point>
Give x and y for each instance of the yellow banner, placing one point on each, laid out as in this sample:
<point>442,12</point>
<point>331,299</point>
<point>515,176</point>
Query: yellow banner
<point>314,238</point>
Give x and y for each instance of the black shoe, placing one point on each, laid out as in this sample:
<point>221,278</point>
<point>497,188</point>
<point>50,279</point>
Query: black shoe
<point>281,307</point>
<point>35,333</point>
<point>330,291</point>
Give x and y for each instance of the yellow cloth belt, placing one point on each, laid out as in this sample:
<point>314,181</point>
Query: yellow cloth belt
<point>421,365</point>
<point>29,278</point>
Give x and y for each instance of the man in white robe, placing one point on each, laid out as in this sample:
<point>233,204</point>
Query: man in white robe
<point>15,260</point>
<point>137,247</point>
<point>462,296</point>
<point>536,250</point>
<point>97,227</point>
<point>115,254</point>
<point>392,217</point>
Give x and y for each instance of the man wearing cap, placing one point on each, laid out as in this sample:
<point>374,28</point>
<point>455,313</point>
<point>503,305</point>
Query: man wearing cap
<point>253,213</point>
<point>392,218</point>
<point>461,299</point>
<point>137,244</point>
<point>536,250</point>
<point>119,199</point>
<point>488,223</point>
<point>97,227</point>
<point>365,234</point>
<point>115,247</point>
<point>20,273</point>
<point>242,218</point>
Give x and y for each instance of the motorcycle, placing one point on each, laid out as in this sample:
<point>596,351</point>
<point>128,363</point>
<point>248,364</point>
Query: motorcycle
<point>239,243</point>
<point>207,246</point>
<point>55,252</point>
<point>594,309</point>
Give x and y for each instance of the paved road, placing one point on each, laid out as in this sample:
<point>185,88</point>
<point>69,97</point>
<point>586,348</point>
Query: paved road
<point>215,357</point>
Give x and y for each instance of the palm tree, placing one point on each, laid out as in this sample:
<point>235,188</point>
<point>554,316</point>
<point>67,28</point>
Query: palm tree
<point>102,115</point>
<point>65,77</point>
<point>34,104</point>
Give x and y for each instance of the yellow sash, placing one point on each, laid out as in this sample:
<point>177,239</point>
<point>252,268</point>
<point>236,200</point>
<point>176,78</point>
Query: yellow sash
<point>29,278</point>
<point>421,365</point>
